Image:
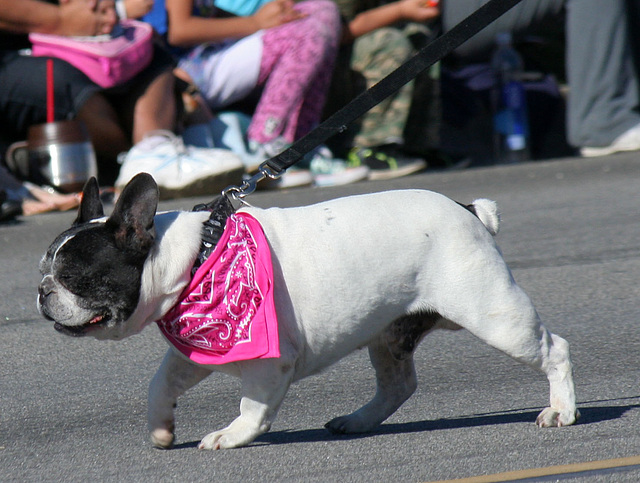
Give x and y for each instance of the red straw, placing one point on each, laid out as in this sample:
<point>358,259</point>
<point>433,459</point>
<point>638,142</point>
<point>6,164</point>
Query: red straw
<point>50,112</point>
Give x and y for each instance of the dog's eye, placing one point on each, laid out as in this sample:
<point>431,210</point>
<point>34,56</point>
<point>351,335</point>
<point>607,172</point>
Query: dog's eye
<point>65,277</point>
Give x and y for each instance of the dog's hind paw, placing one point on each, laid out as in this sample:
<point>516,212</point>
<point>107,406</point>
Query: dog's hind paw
<point>551,417</point>
<point>349,424</point>
<point>162,438</point>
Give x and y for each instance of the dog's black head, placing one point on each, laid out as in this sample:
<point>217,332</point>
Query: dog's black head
<point>92,272</point>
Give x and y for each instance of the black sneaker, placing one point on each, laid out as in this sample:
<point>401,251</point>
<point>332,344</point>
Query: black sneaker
<point>385,162</point>
<point>9,209</point>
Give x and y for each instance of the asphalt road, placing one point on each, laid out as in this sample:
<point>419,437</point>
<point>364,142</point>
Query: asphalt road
<point>74,409</point>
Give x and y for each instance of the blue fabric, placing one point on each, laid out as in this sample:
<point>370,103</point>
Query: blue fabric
<point>157,17</point>
<point>227,131</point>
<point>241,8</point>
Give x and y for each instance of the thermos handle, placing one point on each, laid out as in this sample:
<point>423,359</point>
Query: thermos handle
<point>19,165</point>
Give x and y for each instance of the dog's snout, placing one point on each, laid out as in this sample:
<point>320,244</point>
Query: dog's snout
<point>46,288</point>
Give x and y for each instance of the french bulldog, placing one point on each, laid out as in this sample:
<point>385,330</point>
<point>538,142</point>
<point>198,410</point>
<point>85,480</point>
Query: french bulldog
<point>377,270</point>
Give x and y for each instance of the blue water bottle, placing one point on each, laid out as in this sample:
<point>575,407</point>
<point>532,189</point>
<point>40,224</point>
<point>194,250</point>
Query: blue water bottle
<point>510,117</point>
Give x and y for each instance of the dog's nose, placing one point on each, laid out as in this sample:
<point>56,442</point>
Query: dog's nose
<point>41,296</point>
<point>45,288</point>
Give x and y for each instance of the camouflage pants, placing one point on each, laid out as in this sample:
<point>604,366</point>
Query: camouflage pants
<point>374,56</point>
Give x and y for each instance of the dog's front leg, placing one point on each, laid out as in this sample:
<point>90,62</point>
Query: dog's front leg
<point>264,385</point>
<point>173,378</point>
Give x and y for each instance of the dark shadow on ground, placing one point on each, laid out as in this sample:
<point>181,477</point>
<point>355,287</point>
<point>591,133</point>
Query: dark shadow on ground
<point>588,415</point>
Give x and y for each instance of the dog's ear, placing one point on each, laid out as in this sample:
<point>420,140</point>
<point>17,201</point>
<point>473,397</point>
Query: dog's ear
<point>90,206</point>
<point>132,217</point>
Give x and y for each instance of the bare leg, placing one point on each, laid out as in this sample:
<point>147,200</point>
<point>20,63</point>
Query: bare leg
<point>175,376</point>
<point>156,107</point>
<point>197,111</point>
<point>108,137</point>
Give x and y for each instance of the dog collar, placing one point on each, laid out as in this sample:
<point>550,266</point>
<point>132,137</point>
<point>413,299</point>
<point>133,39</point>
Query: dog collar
<point>227,313</point>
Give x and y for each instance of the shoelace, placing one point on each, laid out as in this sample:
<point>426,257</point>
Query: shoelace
<point>357,156</point>
<point>181,149</point>
<point>176,141</point>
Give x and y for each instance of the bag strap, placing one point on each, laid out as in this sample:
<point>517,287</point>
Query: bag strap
<point>338,122</point>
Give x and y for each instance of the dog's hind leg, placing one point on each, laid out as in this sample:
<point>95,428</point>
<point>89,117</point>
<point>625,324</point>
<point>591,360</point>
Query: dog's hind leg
<point>173,378</point>
<point>549,353</point>
<point>392,357</point>
<point>508,321</point>
<point>557,366</point>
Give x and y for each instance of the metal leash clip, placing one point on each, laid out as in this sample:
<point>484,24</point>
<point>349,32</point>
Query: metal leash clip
<point>248,186</point>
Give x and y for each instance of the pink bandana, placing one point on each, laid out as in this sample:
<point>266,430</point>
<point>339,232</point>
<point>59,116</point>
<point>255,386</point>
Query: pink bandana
<point>227,313</point>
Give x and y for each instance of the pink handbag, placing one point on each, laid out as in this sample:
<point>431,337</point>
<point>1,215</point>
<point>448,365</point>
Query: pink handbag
<point>108,60</point>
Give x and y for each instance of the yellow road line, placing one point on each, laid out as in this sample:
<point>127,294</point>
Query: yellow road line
<point>550,471</point>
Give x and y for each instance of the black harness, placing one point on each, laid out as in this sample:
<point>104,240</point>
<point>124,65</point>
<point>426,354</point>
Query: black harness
<point>212,229</point>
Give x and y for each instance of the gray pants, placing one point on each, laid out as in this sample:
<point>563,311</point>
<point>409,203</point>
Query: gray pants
<point>603,82</point>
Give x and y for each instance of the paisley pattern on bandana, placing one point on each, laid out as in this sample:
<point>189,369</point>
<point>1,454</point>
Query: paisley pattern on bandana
<point>227,312</point>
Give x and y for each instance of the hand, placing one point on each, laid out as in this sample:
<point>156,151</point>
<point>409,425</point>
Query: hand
<point>86,17</point>
<point>275,13</point>
<point>138,8</point>
<point>417,10</point>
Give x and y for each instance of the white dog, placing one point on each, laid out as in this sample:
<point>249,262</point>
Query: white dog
<point>377,271</point>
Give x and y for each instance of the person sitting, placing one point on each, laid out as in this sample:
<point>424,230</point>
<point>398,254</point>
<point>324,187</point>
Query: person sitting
<point>286,52</point>
<point>376,40</point>
<point>137,118</point>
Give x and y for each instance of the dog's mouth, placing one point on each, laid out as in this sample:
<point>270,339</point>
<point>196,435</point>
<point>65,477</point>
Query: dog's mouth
<point>80,330</point>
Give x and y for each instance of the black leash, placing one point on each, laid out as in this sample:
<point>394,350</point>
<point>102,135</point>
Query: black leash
<point>221,207</point>
<point>338,122</point>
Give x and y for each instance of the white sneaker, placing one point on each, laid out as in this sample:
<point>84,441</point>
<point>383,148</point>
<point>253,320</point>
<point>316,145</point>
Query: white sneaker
<point>329,171</point>
<point>179,170</point>
<point>627,141</point>
<point>291,178</point>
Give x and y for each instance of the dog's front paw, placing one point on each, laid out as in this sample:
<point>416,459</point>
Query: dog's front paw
<point>239,433</point>
<point>224,439</point>
<point>551,417</point>
<point>215,440</point>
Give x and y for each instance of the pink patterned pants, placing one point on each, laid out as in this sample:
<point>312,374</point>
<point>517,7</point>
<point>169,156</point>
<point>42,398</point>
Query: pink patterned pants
<point>296,69</point>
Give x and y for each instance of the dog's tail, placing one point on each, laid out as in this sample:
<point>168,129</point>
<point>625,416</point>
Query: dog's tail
<point>487,212</point>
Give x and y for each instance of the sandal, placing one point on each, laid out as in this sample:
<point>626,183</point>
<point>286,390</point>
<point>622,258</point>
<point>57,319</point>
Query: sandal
<point>48,200</point>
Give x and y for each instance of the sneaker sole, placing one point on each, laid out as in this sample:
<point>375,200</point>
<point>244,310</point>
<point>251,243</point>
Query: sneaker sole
<point>379,175</point>
<point>598,152</point>
<point>211,185</point>
<point>352,175</point>
<point>626,142</point>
